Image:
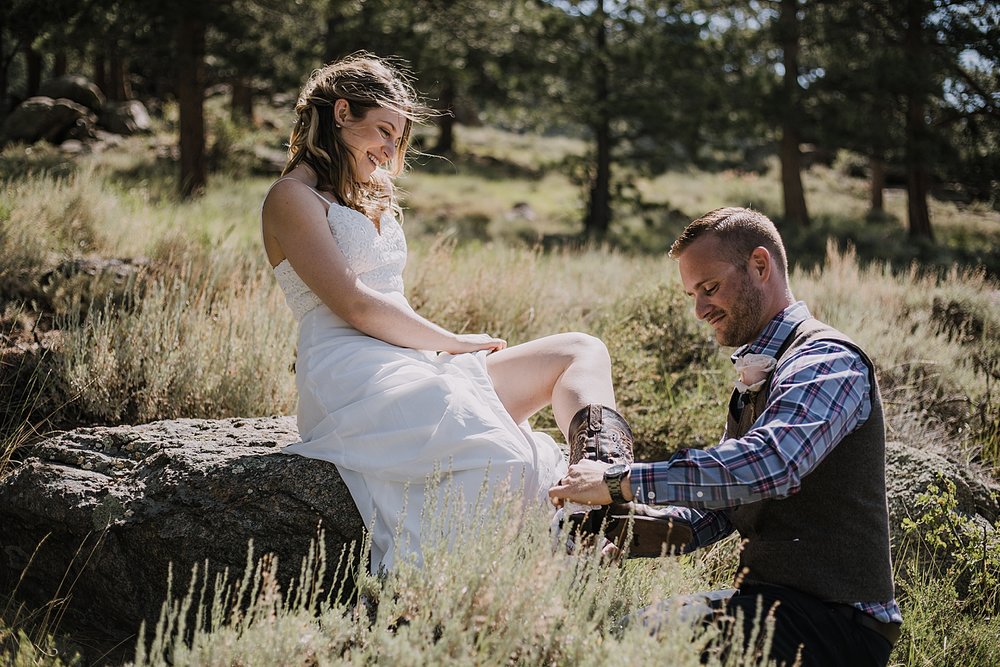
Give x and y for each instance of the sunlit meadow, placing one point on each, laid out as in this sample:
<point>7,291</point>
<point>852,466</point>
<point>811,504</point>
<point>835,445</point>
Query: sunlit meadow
<point>200,329</point>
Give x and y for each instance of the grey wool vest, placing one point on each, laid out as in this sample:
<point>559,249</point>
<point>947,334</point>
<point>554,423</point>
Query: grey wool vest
<point>831,539</point>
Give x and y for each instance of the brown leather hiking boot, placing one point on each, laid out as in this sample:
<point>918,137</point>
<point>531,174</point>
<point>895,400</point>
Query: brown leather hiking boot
<point>599,433</point>
<point>643,531</point>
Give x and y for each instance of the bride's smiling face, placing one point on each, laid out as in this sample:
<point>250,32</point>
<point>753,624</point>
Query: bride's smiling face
<point>372,139</point>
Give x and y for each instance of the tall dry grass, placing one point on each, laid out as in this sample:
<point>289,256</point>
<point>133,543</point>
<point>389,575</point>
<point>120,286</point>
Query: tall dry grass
<point>185,350</point>
<point>497,592</point>
<point>494,594</point>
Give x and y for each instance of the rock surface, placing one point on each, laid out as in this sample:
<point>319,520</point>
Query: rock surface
<point>910,471</point>
<point>74,87</point>
<point>126,118</point>
<point>109,508</point>
<point>45,118</point>
<point>68,110</point>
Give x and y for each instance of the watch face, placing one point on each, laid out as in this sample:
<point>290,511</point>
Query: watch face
<point>616,470</point>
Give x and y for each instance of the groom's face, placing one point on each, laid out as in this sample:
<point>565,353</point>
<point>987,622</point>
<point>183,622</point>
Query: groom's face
<point>725,294</point>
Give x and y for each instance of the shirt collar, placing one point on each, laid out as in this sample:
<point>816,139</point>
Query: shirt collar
<point>775,332</point>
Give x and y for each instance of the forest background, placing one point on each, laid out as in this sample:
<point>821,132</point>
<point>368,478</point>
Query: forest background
<point>910,87</point>
<point>572,135</point>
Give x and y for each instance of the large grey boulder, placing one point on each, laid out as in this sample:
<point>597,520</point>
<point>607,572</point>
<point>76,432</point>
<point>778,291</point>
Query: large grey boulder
<point>99,514</point>
<point>74,87</point>
<point>45,118</point>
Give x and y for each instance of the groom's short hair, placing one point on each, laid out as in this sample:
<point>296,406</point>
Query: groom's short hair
<point>740,230</point>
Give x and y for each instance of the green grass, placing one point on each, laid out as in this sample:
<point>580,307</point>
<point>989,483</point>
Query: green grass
<point>202,330</point>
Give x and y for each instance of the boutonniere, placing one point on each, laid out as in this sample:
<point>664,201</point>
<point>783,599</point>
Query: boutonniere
<point>753,370</point>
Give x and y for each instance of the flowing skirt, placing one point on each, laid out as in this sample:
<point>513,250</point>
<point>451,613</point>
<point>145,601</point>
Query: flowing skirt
<point>400,423</point>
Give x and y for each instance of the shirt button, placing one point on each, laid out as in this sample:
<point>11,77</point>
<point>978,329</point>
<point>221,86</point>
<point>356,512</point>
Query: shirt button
<point>700,494</point>
<point>651,495</point>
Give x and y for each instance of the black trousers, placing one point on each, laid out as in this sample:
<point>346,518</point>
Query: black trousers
<point>803,626</point>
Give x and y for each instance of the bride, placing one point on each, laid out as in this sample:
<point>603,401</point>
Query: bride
<point>389,397</point>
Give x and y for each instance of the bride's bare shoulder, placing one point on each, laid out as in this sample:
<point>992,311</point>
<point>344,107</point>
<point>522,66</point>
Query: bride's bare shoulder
<point>286,187</point>
<point>290,194</point>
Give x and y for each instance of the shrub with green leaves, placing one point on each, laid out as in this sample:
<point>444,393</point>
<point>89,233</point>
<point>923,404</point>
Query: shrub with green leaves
<point>959,546</point>
<point>948,581</point>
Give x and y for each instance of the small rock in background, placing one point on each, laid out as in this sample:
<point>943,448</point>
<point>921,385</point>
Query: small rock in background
<point>521,211</point>
<point>71,108</point>
<point>126,118</point>
<point>44,118</point>
<point>76,88</point>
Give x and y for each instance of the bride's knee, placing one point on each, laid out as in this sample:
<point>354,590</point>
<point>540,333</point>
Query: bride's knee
<point>586,348</point>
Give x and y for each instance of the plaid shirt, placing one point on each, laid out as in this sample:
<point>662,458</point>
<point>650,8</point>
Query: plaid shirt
<point>818,395</point>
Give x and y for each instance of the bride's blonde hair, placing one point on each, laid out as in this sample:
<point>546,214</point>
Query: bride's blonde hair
<point>367,82</point>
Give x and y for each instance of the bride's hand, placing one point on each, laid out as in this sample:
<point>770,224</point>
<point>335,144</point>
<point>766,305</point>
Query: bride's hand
<point>475,342</point>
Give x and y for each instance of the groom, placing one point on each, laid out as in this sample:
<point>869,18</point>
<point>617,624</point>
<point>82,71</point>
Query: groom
<point>800,471</point>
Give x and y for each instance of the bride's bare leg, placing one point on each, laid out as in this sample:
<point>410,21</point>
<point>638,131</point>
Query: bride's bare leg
<point>569,370</point>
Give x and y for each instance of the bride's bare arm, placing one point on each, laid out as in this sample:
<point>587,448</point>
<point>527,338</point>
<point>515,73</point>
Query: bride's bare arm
<point>295,219</point>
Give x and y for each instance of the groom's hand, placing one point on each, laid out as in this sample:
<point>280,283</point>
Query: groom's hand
<point>584,484</point>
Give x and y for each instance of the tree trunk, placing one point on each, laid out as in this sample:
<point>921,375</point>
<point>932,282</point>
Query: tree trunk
<point>446,124</point>
<point>241,102</point>
<point>100,75</point>
<point>796,214</point>
<point>333,47</point>
<point>190,97</point>
<point>33,67</point>
<point>917,179</point>
<point>599,209</point>
<point>446,135</point>
<point>118,89</point>
<point>4,64</point>
<point>877,165</point>
<point>59,63</point>
<point>330,40</point>
<point>793,194</point>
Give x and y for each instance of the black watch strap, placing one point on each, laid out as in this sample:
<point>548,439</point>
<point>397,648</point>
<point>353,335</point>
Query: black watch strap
<point>615,487</point>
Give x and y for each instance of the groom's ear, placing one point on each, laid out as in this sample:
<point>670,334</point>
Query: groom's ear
<point>760,263</point>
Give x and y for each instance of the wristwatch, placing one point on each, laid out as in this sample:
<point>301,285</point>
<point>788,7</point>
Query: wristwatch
<point>613,477</point>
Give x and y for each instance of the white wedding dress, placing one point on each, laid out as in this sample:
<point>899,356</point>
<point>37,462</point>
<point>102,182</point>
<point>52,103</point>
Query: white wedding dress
<point>391,417</point>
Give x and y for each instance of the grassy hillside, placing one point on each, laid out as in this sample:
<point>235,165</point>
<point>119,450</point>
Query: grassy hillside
<point>194,326</point>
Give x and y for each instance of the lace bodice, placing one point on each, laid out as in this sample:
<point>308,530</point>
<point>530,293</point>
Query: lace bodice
<point>377,259</point>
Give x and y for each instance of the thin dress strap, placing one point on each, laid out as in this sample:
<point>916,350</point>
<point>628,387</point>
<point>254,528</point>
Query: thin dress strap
<point>289,178</point>
<point>316,192</point>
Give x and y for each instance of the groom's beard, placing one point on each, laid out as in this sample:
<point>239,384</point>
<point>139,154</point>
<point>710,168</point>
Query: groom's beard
<point>740,325</point>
